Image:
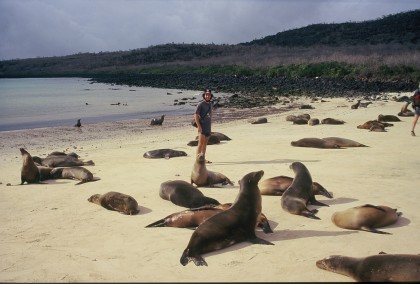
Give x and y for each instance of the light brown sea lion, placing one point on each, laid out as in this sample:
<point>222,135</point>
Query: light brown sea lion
<point>77,173</point>
<point>375,268</point>
<point>277,185</point>
<point>232,226</point>
<point>164,153</point>
<point>330,120</point>
<point>203,177</point>
<point>116,201</point>
<point>388,118</point>
<point>55,161</point>
<point>314,143</point>
<point>184,194</point>
<point>29,172</point>
<point>259,120</point>
<point>344,142</point>
<point>299,193</point>
<point>368,124</point>
<point>366,218</point>
<point>157,121</point>
<point>193,217</point>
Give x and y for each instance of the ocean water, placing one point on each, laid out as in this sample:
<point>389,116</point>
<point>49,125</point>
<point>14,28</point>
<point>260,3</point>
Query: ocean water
<point>45,102</point>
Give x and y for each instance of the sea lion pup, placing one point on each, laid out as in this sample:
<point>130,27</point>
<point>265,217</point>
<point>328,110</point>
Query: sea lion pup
<point>388,118</point>
<point>277,185</point>
<point>330,120</point>
<point>356,105</point>
<point>299,193</point>
<point>29,172</point>
<point>78,173</point>
<point>232,226</point>
<point>78,124</point>
<point>61,161</point>
<point>116,201</point>
<point>314,143</point>
<point>157,121</point>
<point>375,268</point>
<point>259,120</point>
<point>184,194</point>
<point>366,218</point>
<point>203,177</point>
<point>163,153</point>
<point>193,217</point>
<point>344,142</point>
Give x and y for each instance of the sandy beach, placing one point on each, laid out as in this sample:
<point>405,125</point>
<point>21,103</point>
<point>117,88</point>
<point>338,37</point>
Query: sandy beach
<point>51,233</point>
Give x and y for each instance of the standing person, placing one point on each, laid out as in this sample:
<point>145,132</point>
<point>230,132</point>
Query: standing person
<point>415,103</point>
<point>202,117</point>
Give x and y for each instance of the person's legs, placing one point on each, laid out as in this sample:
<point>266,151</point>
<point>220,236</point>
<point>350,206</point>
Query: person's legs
<point>202,144</point>
<point>416,117</point>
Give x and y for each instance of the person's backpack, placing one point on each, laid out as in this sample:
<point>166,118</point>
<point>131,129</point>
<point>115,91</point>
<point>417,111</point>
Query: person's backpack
<point>416,99</point>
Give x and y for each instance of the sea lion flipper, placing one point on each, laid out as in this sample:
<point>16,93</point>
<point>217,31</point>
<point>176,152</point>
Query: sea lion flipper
<point>310,214</point>
<point>373,230</point>
<point>316,202</point>
<point>198,259</point>
<point>158,223</point>
<point>257,240</point>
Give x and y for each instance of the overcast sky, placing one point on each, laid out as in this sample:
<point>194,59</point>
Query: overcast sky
<point>42,28</point>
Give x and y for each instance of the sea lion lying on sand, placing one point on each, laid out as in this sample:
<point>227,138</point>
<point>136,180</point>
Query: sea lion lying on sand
<point>116,201</point>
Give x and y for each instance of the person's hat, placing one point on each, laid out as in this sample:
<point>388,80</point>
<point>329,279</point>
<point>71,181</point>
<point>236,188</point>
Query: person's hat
<point>208,91</point>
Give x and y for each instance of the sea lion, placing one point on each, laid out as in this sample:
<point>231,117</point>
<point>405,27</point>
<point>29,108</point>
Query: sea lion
<point>61,161</point>
<point>116,201</point>
<point>388,118</point>
<point>344,142</point>
<point>313,121</point>
<point>314,143</point>
<point>58,153</point>
<point>299,193</point>
<point>163,153</point>
<point>375,268</point>
<point>356,105</point>
<point>221,136</point>
<point>78,173</point>
<point>366,218</point>
<point>157,121</point>
<point>193,217</point>
<point>29,172</point>
<point>330,120</point>
<point>406,113</point>
<point>365,104</point>
<point>203,177</point>
<point>368,124</point>
<point>213,139</point>
<point>44,172</point>
<point>300,121</point>
<point>232,226</point>
<point>78,123</point>
<point>291,117</point>
<point>277,185</point>
<point>184,194</point>
<point>377,128</point>
<point>259,120</point>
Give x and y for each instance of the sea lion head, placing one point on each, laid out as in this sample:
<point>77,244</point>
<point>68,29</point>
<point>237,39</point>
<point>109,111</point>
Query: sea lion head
<point>201,159</point>
<point>94,198</point>
<point>251,178</point>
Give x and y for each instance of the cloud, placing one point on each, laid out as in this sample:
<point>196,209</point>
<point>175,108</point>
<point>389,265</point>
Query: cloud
<point>39,28</point>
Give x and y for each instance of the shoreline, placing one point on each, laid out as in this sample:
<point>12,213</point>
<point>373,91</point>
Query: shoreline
<point>51,233</point>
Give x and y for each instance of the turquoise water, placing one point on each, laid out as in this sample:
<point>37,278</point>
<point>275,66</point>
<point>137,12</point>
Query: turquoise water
<point>38,102</point>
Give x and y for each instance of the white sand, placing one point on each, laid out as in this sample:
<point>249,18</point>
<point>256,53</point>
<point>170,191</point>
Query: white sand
<point>51,233</point>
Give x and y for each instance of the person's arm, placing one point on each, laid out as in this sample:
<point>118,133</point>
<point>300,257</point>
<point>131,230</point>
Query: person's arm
<point>197,121</point>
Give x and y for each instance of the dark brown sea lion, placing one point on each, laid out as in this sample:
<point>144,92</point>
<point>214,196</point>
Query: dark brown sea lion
<point>78,123</point>
<point>234,225</point>
<point>277,185</point>
<point>375,268</point>
<point>344,142</point>
<point>366,218</point>
<point>213,139</point>
<point>163,153</point>
<point>44,172</point>
<point>184,194</point>
<point>193,217</point>
<point>300,121</point>
<point>356,105</point>
<point>157,121</point>
<point>259,120</point>
<point>116,201</point>
<point>368,124</point>
<point>330,120</point>
<point>314,143</point>
<point>203,177</point>
<point>299,193</point>
<point>388,118</point>
<point>313,121</point>
<point>29,172</point>
<point>77,173</point>
<point>61,161</point>
<point>221,136</point>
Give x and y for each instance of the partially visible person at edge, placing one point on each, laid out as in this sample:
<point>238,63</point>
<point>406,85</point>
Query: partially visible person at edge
<point>202,117</point>
<point>416,110</point>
